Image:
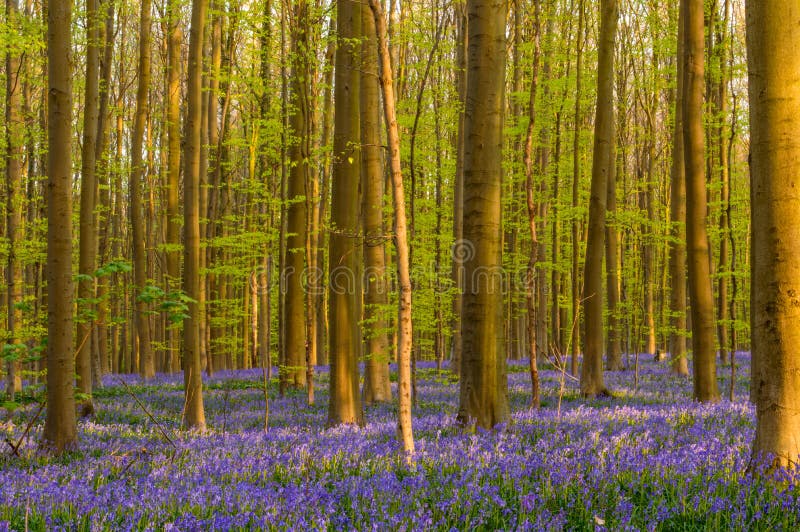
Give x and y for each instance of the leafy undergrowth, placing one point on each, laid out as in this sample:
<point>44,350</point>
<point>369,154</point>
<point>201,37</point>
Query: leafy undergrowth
<point>647,459</point>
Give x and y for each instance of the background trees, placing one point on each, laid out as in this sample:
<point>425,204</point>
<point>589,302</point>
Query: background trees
<point>292,172</point>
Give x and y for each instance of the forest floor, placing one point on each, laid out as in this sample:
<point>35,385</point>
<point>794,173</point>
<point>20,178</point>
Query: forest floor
<point>648,458</point>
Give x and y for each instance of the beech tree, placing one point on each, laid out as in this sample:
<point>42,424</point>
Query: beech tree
<point>773,37</point>
<point>483,398</point>
<point>194,414</point>
<point>700,293</point>
<point>344,338</point>
<point>14,133</point>
<point>602,165</point>
<point>60,427</point>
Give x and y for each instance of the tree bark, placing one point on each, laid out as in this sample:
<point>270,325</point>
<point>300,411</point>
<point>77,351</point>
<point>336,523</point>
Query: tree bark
<point>194,414</point>
<point>376,368</point>
<point>484,384</point>
<point>700,294</point>
<point>602,165</point>
<point>60,428</point>
<point>14,132</point>
<point>344,339</point>
<point>401,238</point>
<point>146,359</point>
<point>677,250</point>
<point>773,37</point>
<point>299,154</point>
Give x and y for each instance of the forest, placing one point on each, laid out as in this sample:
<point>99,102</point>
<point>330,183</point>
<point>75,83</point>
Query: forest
<point>379,265</point>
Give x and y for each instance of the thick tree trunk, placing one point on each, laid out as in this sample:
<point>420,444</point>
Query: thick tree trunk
<point>484,383</point>
<point>773,38</point>
<point>700,294</point>
<point>602,165</point>
<point>344,339</point>
<point>60,430</point>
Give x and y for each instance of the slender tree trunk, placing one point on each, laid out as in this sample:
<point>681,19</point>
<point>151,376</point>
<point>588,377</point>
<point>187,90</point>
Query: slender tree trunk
<point>677,250</point>
<point>299,148</point>
<point>14,133</point>
<point>602,165</point>
<point>724,267</point>
<point>401,238</point>
<point>175,36</point>
<point>88,242</point>
<point>484,384</point>
<point>700,295</point>
<point>146,358</point>
<point>576,178</point>
<point>458,190</point>
<point>531,204</point>
<point>613,344</point>
<point>194,414</point>
<point>60,430</point>
<point>344,339</point>
<point>102,158</point>
<point>773,38</point>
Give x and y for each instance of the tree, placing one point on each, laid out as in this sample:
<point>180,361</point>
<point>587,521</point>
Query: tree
<point>194,414</point>
<point>677,249</point>
<point>88,234</point>
<point>147,366</point>
<point>376,368</point>
<point>14,133</point>
<point>773,37</point>
<point>484,385</point>
<point>344,338</point>
<point>60,427</point>
<point>299,157</point>
<point>173,115</point>
<point>405,337</point>
<point>531,205</point>
<point>700,294</point>
<point>602,165</point>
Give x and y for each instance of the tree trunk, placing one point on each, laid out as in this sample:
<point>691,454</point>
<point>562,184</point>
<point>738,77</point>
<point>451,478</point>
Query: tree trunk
<point>773,37</point>
<point>401,238</point>
<point>60,430</point>
<point>484,383</point>
<point>299,157</point>
<point>677,250</point>
<point>376,368</point>
<point>15,131</point>
<point>194,414</point>
<point>576,177</point>
<point>173,167</point>
<point>535,251</point>
<point>146,359</point>
<point>613,344</point>
<point>344,339</point>
<point>700,295</point>
<point>458,191</point>
<point>603,159</point>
